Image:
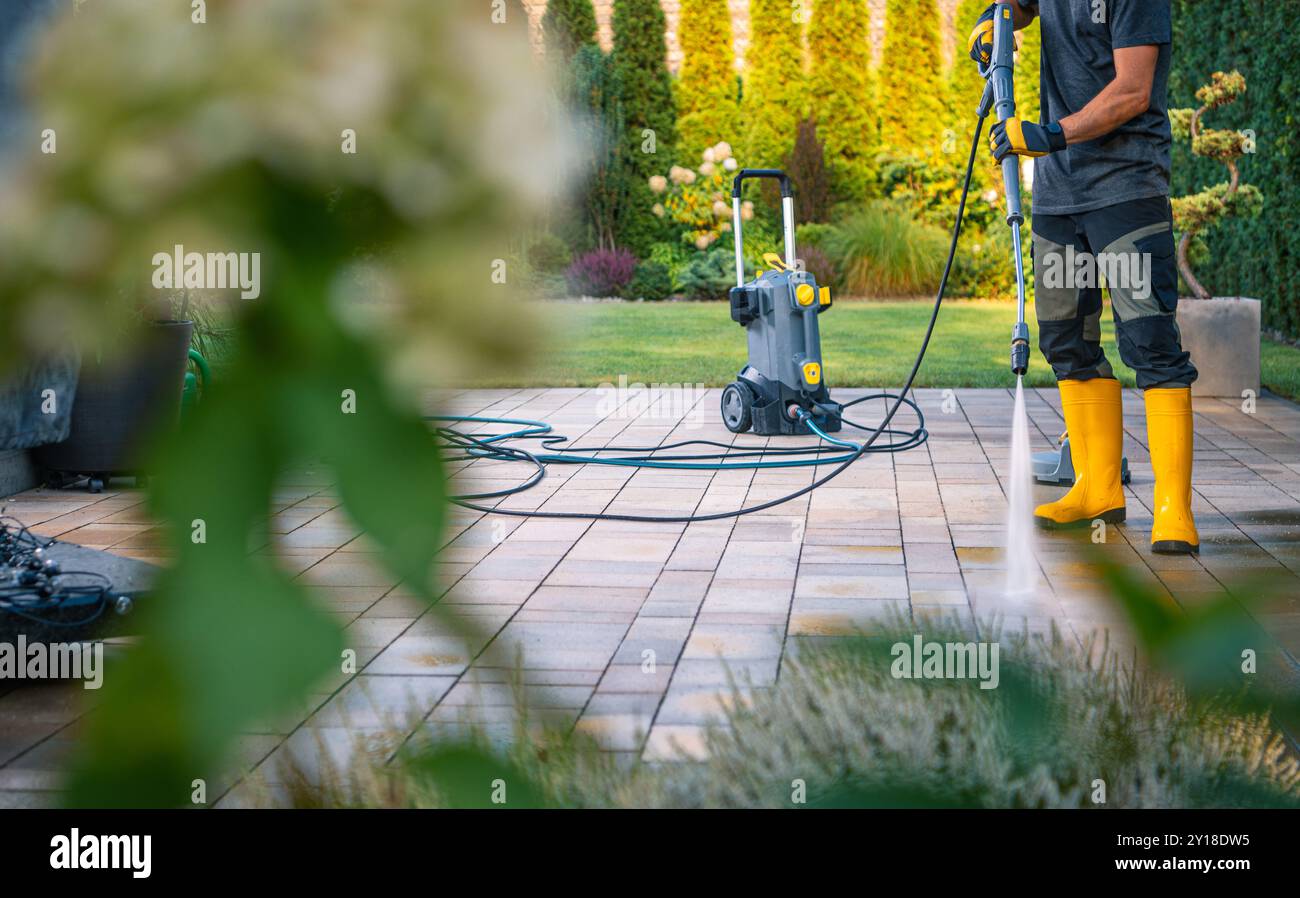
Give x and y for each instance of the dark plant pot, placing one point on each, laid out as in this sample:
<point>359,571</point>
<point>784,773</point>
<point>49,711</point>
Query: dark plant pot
<point>120,403</point>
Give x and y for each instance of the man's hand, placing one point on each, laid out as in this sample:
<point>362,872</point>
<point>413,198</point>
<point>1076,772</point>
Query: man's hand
<point>1023,138</point>
<point>981,39</point>
<point>980,45</point>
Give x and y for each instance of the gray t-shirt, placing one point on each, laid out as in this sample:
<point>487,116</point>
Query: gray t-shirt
<point>1130,163</point>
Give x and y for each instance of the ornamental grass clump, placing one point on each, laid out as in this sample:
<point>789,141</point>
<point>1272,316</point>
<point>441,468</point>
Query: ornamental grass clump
<point>1068,725</point>
<point>882,251</point>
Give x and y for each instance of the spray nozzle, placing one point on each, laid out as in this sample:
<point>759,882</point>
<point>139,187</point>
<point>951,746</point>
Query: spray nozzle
<point>1020,349</point>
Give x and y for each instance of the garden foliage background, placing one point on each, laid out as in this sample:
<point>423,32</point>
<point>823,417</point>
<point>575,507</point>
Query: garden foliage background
<point>876,151</point>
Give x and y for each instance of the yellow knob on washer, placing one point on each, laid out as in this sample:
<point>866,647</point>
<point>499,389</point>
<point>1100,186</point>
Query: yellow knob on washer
<point>812,373</point>
<point>805,295</point>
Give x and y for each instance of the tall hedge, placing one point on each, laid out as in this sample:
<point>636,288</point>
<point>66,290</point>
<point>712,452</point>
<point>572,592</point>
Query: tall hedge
<point>567,27</point>
<point>598,129</point>
<point>964,82</point>
<point>708,95</point>
<point>842,92</point>
<point>1259,256</point>
<point>965,87</point>
<point>1028,103</point>
<point>774,98</point>
<point>913,110</point>
<point>640,58</point>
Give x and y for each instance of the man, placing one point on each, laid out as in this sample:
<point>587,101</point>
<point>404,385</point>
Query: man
<point>1101,190</point>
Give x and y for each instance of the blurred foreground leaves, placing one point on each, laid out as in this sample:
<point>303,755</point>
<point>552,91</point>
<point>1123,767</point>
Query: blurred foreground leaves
<point>229,137</point>
<point>1217,650</point>
<point>377,273</point>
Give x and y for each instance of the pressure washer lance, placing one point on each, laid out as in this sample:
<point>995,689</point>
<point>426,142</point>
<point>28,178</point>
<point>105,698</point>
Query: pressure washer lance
<point>1000,94</point>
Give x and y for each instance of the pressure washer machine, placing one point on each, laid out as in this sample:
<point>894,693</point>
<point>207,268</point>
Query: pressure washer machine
<point>784,381</point>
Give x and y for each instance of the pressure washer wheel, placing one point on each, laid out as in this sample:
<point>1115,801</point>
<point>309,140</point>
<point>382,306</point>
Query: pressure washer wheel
<point>737,399</point>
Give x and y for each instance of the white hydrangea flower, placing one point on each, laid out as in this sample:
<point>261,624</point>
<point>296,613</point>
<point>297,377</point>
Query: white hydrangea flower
<point>658,183</point>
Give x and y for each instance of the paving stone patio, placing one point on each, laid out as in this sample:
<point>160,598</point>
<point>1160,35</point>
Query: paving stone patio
<point>630,631</point>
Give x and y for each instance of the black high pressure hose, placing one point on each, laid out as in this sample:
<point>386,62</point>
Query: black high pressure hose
<point>472,444</point>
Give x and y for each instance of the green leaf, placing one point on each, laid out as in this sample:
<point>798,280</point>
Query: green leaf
<point>228,639</point>
<point>469,776</point>
<point>388,469</point>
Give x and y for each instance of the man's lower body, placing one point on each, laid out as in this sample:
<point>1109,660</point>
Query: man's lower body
<point>1133,244</point>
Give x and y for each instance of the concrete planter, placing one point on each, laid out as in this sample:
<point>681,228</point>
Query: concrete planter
<point>1222,335</point>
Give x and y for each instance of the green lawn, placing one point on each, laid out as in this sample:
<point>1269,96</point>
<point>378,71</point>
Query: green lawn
<point>863,344</point>
<point>1281,369</point>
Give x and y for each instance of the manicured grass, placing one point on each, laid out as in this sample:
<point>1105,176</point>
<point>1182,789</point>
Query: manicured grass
<point>863,344</point>
<point>1280,365</point>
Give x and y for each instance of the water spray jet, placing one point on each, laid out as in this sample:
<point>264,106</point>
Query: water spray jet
<point>1000,98</point>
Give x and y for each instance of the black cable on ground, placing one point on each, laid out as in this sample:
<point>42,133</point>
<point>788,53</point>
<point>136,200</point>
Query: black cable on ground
<point>36,588</point>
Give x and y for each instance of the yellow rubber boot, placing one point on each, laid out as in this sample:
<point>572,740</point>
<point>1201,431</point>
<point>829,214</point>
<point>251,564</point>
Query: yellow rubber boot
<point>1094,419</point>
<point>1169,436</point>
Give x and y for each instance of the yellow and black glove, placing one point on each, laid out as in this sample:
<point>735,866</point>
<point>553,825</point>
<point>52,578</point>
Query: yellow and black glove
<point>1023,138</point>
<point>981,39</point>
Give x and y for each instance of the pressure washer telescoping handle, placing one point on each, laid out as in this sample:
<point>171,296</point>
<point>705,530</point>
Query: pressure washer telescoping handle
<point>787,215</point>
<point>1001,92</point>
<point>1001,80</point>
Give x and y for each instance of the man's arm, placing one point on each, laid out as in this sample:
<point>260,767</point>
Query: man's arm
<point>1125,98</point>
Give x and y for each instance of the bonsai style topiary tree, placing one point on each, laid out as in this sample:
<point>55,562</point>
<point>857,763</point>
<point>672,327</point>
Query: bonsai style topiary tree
<point>1194,214</point>
<point>708,101</point>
